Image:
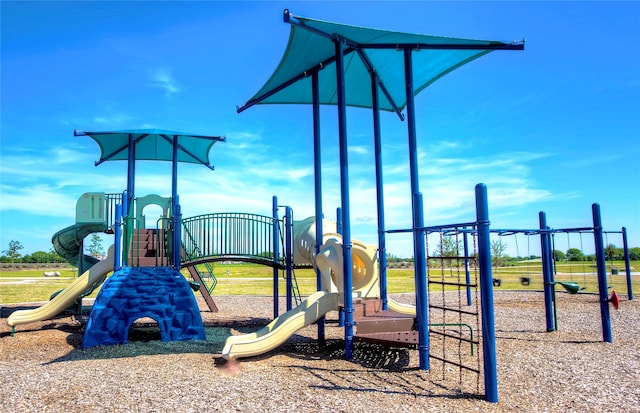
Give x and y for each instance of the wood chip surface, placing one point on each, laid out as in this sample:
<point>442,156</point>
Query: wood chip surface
<point>44,368</point>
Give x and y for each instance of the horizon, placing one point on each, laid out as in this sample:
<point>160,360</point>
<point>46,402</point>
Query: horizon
<point>553,128</point>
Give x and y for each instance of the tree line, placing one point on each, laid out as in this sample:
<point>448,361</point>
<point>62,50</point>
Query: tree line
<point>12,254</point>
<point>448,248</point>
<point>611,253</point>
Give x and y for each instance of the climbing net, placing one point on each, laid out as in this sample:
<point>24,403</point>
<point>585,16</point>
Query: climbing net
<point>454,309</point>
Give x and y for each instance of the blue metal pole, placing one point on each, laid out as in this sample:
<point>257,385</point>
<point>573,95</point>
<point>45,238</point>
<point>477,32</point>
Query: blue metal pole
<point>422,297</point>
<point>627,263</point>
<point>602,274</point>
<point>547,274</point>
<point>276,255</point>
<point>177,231</point>
<point>175,209</point>
<point>317,174</point>
<point>419,254</point>
<point>382,243</point>
<point>131,172</point>
<point>344,192</point>
<point>125,204</point>
<point>288,255</point>
<point>339,231</point>
<point>467,274</point>
<point>117,236</point>
<point>486,296</point>
<point>552,275</point>
<point>126,227</point>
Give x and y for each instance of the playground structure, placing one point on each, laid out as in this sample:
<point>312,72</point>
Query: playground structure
<point>351,277</point>
<point>548,267</point>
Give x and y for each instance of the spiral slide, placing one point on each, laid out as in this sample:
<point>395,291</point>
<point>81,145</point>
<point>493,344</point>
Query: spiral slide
<point>280,329</point>
<point>67,296</point>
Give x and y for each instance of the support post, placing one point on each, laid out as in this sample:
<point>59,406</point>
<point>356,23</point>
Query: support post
<point>344,194</point>
<point>547,274</point>
<point>276,255</point>
<point>175,207</point>
<point>627,263</point>
<point>126,229</point>
<point>377,140</point>
<point>422,294</point>
<point>177,223</point>
<point>486,296</point>
<point>131,173</point>
<point>339,231</point>
<point>288,255</point>
<point>419,254</point>
<point>117,237</point>
<point>601,265</point>
<point>317,174</point>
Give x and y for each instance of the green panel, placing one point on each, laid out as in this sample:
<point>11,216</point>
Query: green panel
<point>91,208</point>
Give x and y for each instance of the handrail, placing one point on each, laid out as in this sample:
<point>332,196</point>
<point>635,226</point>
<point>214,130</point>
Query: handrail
<point>110,211</point>
<point>130,225</point>
<point>230,234</point>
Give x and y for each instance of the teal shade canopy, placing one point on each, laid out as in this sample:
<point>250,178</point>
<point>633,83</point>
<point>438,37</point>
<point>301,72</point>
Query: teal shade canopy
<point>311,49</point>
<point>153,145</point>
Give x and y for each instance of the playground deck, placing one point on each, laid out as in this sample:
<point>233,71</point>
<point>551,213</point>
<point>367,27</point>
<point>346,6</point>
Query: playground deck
<point>384,327</point>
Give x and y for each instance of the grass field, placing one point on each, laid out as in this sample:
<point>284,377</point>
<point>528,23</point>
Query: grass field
<point>253,279</point>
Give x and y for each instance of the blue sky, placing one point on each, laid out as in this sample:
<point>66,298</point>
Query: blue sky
<point>553,128</point>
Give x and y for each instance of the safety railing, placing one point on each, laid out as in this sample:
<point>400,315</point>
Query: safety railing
<point>231,235</point>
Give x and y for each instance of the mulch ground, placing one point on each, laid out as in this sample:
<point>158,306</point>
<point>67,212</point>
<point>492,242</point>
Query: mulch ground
<point>44,368</point>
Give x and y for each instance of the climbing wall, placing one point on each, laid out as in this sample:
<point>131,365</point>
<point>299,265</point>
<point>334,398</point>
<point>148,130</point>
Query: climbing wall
<point>160,293</point>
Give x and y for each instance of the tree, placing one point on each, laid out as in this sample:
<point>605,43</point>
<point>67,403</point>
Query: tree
<point>448,248</point>
<point>95,248</point>
<point>634,253</point>
<point>575,254</point>
<point>40,257</point>
<point>610,252</point>
<point>12,252</point>
<point>55,257</point>
<point>497,252</point>
<point>559,255</point>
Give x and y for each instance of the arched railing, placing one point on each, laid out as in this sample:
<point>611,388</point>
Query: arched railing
<point>230,236</point>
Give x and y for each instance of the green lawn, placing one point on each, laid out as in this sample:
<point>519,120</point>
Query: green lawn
<point>253,279</point>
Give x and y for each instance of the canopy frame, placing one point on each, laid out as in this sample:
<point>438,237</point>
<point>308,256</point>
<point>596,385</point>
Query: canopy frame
<point>133,138</point>
<point>344,46</point>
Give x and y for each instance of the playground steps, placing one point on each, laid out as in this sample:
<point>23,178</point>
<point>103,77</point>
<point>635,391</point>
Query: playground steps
<point>381,326</point>
<point>393,339</point>
<point>147,249</point>
<point>202,286</point>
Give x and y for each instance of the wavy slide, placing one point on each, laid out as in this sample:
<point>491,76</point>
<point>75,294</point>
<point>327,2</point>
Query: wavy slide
<point>281,328</point>
<point>67,296</point>
<point>365,274</point>
<point>406,309</point>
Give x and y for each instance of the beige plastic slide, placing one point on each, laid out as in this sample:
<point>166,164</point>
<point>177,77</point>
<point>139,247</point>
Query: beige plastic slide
<point>67,296</point>
<point>281,328</point>
<point>401,308</point>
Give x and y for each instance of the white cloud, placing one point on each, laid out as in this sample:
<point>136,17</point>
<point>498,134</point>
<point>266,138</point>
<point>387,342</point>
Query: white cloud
<point>112,119</point>
<point>360,150</point>
<point>163,79</point>
<point>42,201</point>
